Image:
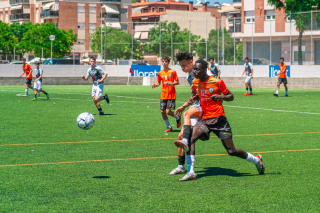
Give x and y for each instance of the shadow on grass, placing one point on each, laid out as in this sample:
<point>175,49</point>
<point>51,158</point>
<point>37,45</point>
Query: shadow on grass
<point>104,114</point>
<point>215,171</point>
<point>101,177</point>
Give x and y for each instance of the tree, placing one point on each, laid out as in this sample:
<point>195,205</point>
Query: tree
<point>37,37</point>
<point>239,52</point>
<point>293,9</point>
<point>180,39</point>
<point>18,30</point>
<point>118,43</point>
<point>7,40</point>
<point>213,50</point>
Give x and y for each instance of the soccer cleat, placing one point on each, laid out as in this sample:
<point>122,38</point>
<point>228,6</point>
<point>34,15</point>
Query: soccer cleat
<point>188,176</point>
<point>275,94</point>
<point>179,122</point>
<point>25,96</point>
<point>100,113</point>
<point>250,94</point>
<point>178,170</point>
<point>168,130</point>
<point>260,165</point>
<point>246,93</point>
<point>285,95</point>
<point>182,144</point>
<point>47,95</point>
<point>34,99</point>
<point>107,98</point>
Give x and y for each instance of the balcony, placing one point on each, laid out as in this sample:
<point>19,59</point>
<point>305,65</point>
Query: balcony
<point>110,17</point>
<point>49,14</point>
<point>237,3</point>
<point>14,2</point>
<point>237,28</point>
<point>111,1</point>
<point>20,16</point>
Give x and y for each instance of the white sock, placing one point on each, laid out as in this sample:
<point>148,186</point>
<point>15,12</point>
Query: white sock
<point>26,91</point>
<point>190,163</point>
<point>167,123</point>
<point>177,117</point>
<point>277,91</point>
<point>185,140</point>
<point>253,159</point>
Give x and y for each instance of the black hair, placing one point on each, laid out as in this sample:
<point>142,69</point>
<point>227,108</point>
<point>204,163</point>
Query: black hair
<point>203,63</point>
<point>211,58</point>
<point>184,56</point>
<point>167,58</point>
<point>38,63</point>
<point>282,58</point>
<point>246,58</point>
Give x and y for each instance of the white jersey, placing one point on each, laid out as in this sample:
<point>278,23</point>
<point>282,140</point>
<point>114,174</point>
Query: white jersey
<point>38,72</point>
<point>248,68</point>
<point>214,69</point>
<point>96,73</point>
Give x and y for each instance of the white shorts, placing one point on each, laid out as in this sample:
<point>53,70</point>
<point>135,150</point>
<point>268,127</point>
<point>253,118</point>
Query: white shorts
<point>195,120</point>
<point>97,91</point>
<point>248,79</point>
<point>38,85</point>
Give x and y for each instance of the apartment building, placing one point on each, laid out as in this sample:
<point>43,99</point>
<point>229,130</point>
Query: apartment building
<point>82,16</point>
<point>267,33</point>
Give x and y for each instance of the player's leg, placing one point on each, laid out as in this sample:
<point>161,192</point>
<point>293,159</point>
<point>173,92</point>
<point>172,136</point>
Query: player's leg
<point>250,87</point>
<point>35,90</point>
<point>26,91</point>
<point>181,159</point>
<point>286,87</point>
<point>163,108</point>
<point>193,112</point>
<point>278,87</point>
<point>246,84</point>
<point>171,105</point>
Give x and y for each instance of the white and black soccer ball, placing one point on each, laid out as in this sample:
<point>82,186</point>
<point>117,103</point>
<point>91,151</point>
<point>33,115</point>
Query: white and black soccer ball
<point>85,120</point>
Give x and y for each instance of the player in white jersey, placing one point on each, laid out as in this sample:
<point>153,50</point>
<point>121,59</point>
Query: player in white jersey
<point>38,82</point>
<point>249,75</point>
<point>214,68</point>
<point>98,75</point>
<point>191,116</point>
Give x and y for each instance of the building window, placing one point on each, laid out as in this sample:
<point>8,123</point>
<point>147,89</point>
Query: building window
<point>124,11</point>
<point>153,9</point>
<point>92,10</point>
<point>80,9</point>
<point>6,13</point>
<point>145,10</point>
<point>249,17</point>
<point>92,26</point>
<point>270,15</point>
<point>80,25</point>
<point>37,10</point>
<point>161,9</point>
<point>81,41</point>
<point>124,27</point>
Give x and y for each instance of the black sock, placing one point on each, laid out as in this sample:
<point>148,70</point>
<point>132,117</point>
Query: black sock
<point>246,88</point>
<point>99,109</point>
<point>186,131</point>
<point>35,95</point>
<point>250,89</point>
<point>45,93</point>
<point>181,159</point>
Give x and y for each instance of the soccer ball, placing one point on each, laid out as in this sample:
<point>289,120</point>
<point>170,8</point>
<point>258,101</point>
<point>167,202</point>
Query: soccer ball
<point>85,120</point>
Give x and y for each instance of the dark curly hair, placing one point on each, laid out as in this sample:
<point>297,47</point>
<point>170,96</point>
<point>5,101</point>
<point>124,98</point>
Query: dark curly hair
<point>184,56</point>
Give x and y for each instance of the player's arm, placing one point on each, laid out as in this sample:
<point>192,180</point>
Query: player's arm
<point>243,73</point>
<point>219,74</point>
<point>84,77</point>
<point>156,84</point>
<point>173,83</point>
<point>189,102</point>
<point>226,97</point>
<point>103,77</point>
<point>37,79</point>
<point>252,73</point>
<point>22,73</point>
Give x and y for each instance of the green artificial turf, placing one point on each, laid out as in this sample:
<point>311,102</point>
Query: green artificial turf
<point>49,164</point>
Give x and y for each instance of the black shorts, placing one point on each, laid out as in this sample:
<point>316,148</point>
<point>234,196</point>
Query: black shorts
<point>167,104</point>
<point>219,126</point>
<point>282,80</point>
<point>28,81</point>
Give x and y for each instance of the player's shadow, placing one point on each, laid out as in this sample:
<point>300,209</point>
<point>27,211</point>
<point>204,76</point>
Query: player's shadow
<point>215,171</point>
<point>176,130</point>
<point>105,114</point>
<point>101,177</point>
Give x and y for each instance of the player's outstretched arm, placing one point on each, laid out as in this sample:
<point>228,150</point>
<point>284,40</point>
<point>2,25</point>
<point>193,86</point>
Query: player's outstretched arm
<point>189,102</point>
<point>84,78</point>
<point>227,97</point>
<point>156,84</point>
<point>21,74</point>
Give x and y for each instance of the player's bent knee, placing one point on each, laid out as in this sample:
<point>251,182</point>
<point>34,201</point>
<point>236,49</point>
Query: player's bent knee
<point>180,136</point>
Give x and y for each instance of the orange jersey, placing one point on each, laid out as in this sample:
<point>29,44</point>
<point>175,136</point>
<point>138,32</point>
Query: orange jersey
<point>27,69</point>
<point>283,68</point>
<point>168,92</point>
<point>205,90</point>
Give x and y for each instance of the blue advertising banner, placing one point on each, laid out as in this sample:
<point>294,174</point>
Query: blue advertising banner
<point>274,70</point>
<point>145,70</point>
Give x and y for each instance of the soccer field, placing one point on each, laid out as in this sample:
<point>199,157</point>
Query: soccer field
<point>49,164</point>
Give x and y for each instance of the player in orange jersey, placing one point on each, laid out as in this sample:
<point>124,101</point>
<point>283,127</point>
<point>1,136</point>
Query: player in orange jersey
<point>26,68</point>
<point>169,79</point>
<point>282,77</point>
<point>211,91</point>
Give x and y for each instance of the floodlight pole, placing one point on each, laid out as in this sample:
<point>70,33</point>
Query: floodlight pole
<point>52,38</point>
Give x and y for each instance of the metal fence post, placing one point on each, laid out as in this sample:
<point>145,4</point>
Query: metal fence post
<point>312,52</point>
<point>270,44</point>
<point>160,39</point>
<point>218,41</point>
<point>252,42</point>
<point>206,39</point>
<point>189,36</point>
<point>171,46</point>
<point>290,42</point>
<point>132,42</point>
<point>234,41</point>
